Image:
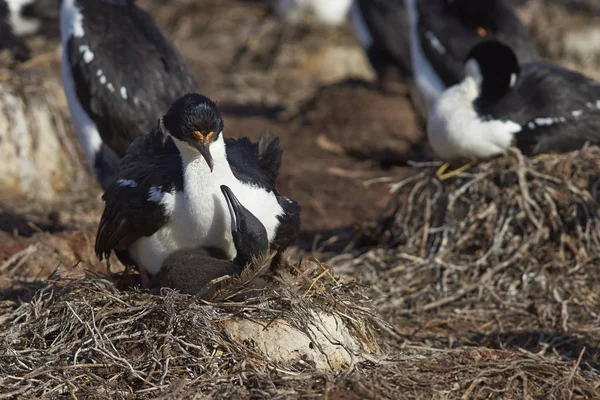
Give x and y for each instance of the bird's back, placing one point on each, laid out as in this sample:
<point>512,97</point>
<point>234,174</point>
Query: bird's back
<point>448,31</point>
<point>558,109</point>
<point>126,71</point>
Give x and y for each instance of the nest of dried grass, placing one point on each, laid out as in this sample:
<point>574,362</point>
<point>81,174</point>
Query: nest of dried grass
<point>505,256</point>
<point>522,221</point>
<point>514,231</point>
<point>475,373</point>
<point>90,340</point>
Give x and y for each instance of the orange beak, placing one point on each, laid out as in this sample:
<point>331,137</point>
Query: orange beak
<point>202,144</point>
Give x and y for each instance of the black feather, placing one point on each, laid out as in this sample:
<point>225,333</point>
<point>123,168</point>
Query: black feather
<point>151,161</point>
<point>130,52</point>
<point>454,25</point>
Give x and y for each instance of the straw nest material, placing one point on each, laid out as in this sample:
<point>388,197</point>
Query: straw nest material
<point>87,339</point>
<point>514,229</point>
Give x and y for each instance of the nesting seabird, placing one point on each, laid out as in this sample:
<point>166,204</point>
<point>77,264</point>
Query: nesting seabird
<point>14,23</point>
<point>538,107</point>
<point>191,270</point>
<point>439,35</point>
<point>120,74</point>
<point>382,27</point>
<point>167,195</point>
<point>328,12</point>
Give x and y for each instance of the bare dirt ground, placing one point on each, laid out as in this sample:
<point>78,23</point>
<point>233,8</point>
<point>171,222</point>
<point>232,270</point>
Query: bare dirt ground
<point>527,329</point>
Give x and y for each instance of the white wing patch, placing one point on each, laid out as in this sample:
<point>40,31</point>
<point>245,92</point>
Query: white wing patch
<point>127,182</point>
<point>544,121</point>
<point>88,55</point>
<point>166,199</point>
<point>435,42</point>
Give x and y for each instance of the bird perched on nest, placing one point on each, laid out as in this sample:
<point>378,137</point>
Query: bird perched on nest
<point>120,73</point>
<point>430,39</point>
<point>191,270</point>
<point>538,107</point>
<point>167,193</point>
<point>20,18</point>
<point>328,12</point>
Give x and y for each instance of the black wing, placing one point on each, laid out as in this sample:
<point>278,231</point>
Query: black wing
<point>135,73</point>
<point>389,26</point>
<point>289,225</point>
<point>152,161</point>
<point>256,163</point>
<point>259,163</point>
<point>448,31</point>
<point>557,108</point>
<point>270,156</point>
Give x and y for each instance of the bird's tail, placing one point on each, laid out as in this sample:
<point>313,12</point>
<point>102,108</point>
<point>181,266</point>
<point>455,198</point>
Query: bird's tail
<point>270,155</point>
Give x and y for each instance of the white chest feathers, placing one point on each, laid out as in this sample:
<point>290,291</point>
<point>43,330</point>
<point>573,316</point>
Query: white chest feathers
<point>19,23</point>
<point>455,130</point>
<point>199,215</point>
<point>330,12</point>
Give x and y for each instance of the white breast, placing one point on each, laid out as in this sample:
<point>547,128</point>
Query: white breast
<point>456,131</point>
<point>19,24</point>
<point>200,216</point>
<point>331,12</point>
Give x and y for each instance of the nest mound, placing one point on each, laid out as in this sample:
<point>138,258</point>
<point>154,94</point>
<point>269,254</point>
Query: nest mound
<point>523,220</point>
<point>89,339</point>
<point>474,373</point>
<point>505,256</point>
<point>547,207</point>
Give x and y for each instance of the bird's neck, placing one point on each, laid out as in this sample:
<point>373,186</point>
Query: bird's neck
<point>195,169</point>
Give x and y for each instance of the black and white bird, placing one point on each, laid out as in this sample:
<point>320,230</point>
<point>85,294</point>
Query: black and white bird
<point>191,270</point>
<point>120,74</point>
<point>19,18</point>
<point>431,38</point>
<point>538,107</point>
<point>328,12</point>
<point>167,193</point>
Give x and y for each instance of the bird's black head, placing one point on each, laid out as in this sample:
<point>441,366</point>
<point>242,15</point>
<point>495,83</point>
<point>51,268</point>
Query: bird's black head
<point>249,234</point>
<point>194,119</point>
<point>495,66</point>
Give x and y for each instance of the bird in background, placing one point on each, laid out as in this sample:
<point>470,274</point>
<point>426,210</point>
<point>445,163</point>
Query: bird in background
<point>538,107</point>
<point>428,40</point>
<point>22,18</point>
<point>328,12</point>
<point>120,74</point>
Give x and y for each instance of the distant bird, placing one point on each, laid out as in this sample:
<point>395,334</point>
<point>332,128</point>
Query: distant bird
<point>120,74</point>
<point>191,270</point>
<point>383,29</point>
<point>538,107</point>
<point>167,193</point>
<point>328,12</point>
<point>20,18</point>
<point>439,35</point>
